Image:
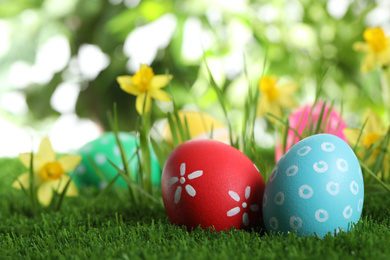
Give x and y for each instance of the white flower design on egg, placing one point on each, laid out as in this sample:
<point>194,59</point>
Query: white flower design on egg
<point>234,211</point>
<point>189,189</point>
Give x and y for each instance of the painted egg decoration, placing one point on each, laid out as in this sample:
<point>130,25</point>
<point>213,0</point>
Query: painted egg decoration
<point>105,147</point>
<point>316,187</point>
<point>208,183</point>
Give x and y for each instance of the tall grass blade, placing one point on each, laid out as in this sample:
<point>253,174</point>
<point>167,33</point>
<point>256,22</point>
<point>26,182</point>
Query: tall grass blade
<point>382,146</point>
<point>102,192</point>
<point>318,127</point>
<point>32,183</point>
<point>132,183</point>
<point>285,135</point>
<point>373,175</point>
<point>221,100</point>
<point>62,195</point>
<point>360,135</point>
<point>172,126</point>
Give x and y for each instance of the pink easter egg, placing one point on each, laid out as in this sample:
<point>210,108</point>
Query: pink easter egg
<point>306,117</point>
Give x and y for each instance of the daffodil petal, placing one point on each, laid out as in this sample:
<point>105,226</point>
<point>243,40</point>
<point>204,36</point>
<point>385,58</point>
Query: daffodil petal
<point>263,106</point>
<point>139,103</point>
<point>69,162</point>
<point>352,135</point>
<point>59,186</point>
<point>160,81</point>
<point>25,158</point>
<point>361,47</point>
<point>374,123</point>
<point>276,110</point>
<point>23,179</point>
<point>384,58</point>
<point>126,84</point>
<point>288,88</point>
<point>287,101</point>
<point>45,193</point>
<point>159,95</point>
<point>369,63</point>
<point>45,153</point>
<point>125,80</point>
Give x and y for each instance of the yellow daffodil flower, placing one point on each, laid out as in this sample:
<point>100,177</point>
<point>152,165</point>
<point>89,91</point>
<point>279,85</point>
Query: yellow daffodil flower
<point>273,99</point>
<point>371,133</point>
<point>49,174</point>
<point>145,85</point>
<point>376,47</point>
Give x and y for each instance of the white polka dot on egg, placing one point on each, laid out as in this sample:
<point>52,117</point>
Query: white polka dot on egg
<point>320,166</point>
<point>81,169</point>
<point>292,170</point>
<point>295,222</point>
<point>305,191</point>
<point>100,159</point>
<point>273,174</point>
<point>321,215</point>
<point>328,147</point>
<point>332,188</point>
<point>304,150</point>
<point>279,198</point>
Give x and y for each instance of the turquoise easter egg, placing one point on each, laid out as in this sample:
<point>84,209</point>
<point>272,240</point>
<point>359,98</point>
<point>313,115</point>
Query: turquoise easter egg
<point>98,153</point>
<point>315,188</point>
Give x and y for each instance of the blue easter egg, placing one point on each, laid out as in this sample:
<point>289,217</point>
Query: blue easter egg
<point>316,187</point>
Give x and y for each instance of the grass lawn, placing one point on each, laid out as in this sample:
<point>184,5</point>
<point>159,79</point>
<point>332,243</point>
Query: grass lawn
<point>113,228</point>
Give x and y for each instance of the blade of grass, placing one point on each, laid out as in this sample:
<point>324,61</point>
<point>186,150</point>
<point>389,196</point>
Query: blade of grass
<point>158,150</point>
<point>183,132</point>
<point>281,121</point>
<point>187,129</point>
<point>26,193</point>
<point>360,135</point>
<point>373,175</point>
<point>96,169</point>
<point>113,120</point>
<point>145,162</point>
<point>382,152</point>
<point>286,129</point>
<point>317,129</point>
<point>221,100</point>
<point>32,182</point>
<point>62,195</point>
<point>109,185</point>
<point>341,116</point>
<point>326,124</point>
<point>130,182</point>
<point>172,126</point>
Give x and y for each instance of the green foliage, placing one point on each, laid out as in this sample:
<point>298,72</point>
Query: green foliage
<point>300,45</point>
<point>114,229</point>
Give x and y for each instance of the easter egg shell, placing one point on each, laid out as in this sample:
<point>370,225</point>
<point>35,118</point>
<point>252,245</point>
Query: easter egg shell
<point>200,126</point>
<point>105,147</point>
<point>208,183</point>
<point>316,187</point>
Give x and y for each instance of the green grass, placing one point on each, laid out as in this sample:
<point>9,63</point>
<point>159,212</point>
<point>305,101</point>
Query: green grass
<point>113,228</point>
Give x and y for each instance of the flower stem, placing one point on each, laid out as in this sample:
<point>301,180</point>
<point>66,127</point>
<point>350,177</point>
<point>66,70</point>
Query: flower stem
<point>385,82</point>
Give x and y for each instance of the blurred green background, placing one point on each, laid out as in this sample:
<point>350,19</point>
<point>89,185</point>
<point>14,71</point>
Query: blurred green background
<point>59,59</point>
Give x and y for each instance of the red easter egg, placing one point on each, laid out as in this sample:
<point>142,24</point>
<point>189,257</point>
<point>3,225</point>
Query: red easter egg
<point>211,184</point>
